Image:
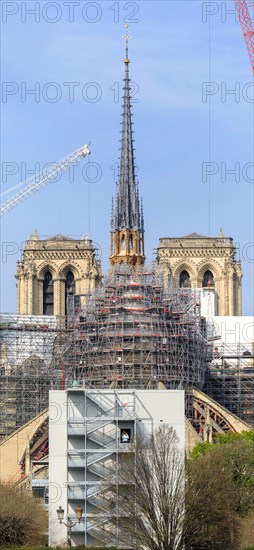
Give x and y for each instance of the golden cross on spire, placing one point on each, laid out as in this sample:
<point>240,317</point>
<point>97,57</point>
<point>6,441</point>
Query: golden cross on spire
<point>126,37</point>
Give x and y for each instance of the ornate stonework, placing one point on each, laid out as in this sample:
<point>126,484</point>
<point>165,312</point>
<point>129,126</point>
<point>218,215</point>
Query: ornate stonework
<point>127,220</point>
<point>208,262</point>
<point>58,256</point>
<point>127,247</point>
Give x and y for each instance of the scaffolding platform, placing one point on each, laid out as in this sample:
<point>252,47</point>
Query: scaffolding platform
<point>231,379</point>
<point>132,333</point>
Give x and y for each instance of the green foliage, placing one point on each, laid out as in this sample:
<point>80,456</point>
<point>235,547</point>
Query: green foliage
<point>200,450</point>
<point>229,437</point>
<point>211,519</point>
<point>223,475</point>
<point>223,439</point>
<point>235,453</point>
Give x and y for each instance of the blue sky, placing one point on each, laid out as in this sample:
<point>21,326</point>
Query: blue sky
<point>175,48</point>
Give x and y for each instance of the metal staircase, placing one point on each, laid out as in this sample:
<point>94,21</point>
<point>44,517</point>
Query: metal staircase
<point>81,427</point>
<point>101,470</point>
<point>103,438</point>
<point>103,402</point>
<point>94,444</point>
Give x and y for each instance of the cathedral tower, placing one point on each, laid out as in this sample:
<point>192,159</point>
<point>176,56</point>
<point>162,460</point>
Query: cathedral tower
<point>208,263</point>
<point>51,270</point>
<point>127,220</point>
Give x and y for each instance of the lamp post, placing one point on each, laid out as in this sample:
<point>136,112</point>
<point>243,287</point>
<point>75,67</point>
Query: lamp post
<point>70,524</point>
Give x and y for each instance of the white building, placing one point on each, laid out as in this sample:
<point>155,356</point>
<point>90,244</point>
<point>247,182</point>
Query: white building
<point>85,439</point>
<point>235,331</point>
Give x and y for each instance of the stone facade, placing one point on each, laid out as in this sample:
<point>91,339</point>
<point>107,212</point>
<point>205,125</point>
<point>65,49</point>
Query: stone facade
<point>52,267</point>
<point>127,247</point>
<point>204,262</point>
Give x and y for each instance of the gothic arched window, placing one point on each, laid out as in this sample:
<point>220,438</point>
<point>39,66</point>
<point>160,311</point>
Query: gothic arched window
<point>184,279</point>
<point>123,243</point>
<point>69,290</point>
<point>208,279</point>
<point>48,294</point>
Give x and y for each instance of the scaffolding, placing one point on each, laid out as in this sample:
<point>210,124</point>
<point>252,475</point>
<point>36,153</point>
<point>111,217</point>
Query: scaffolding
<point>134,333</point>
<point>131,334</point>
<point>26,367</point>
<point>231,379</point>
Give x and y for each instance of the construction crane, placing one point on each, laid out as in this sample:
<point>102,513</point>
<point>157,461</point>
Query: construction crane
<point>247,27</point>
<point>41,179</point>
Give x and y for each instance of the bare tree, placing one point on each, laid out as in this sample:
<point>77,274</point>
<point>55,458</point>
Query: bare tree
<point>145,498</point>
<point>23,521</point>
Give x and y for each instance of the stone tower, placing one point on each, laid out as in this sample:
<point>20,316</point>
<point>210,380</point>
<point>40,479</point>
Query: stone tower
<point>204,262</point>
<point>127,220</point>
<point>51,269</point>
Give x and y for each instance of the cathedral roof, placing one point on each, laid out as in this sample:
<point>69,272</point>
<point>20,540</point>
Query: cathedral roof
<point>194,236</point>
<point>197,236</point>
<point>60,238</point>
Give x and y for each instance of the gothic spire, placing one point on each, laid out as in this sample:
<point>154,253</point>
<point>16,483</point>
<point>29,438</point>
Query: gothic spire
<point>127,221</point>
<point>127,214</point>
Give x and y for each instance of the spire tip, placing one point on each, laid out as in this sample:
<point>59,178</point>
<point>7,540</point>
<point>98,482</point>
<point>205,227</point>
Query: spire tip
<point>126,37</point>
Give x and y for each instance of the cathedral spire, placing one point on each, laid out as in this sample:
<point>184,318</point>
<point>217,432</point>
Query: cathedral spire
<point>126,37</point>
<point>127,227</point>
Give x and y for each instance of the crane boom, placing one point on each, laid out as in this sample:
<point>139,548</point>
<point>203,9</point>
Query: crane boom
<point>41,179</point>
<point>247,27</point>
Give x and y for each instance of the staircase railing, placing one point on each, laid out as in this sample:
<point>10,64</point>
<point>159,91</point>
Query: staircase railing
<point>104,438</point>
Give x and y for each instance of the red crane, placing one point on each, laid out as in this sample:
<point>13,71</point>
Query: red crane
<point>247,26</point>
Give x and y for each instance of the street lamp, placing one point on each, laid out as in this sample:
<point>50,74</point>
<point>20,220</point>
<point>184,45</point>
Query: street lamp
<point>70,524</point>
